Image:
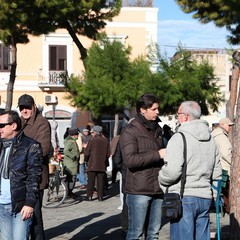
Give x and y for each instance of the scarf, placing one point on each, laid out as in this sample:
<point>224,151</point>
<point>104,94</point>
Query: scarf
<point>4,160</point>
<point>152,126</point>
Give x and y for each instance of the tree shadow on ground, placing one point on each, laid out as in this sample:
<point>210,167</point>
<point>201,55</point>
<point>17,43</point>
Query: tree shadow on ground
<point>99,230</point>
<point>69,226</point>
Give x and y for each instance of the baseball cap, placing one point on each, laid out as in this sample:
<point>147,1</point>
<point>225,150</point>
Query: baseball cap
<point>26,100</point>
<point>96,129</point>
<point>226,121</point>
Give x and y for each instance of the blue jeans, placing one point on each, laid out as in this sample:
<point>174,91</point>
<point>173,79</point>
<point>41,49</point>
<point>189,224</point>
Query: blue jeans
<point>195,222</point>
<point>144,213</point>
<point>82,177</point>
<point>12,226</point>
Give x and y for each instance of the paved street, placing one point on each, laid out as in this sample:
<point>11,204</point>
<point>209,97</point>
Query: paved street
<point>95,220</point>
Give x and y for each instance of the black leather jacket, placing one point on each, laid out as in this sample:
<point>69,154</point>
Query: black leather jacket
<point>25,171</point>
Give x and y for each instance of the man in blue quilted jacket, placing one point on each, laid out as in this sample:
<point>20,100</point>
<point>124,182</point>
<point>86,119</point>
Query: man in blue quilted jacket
<point>20,174</point>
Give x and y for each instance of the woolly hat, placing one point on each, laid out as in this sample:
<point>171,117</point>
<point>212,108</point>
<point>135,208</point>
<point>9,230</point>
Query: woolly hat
<point>73,131</point>
<point>96,129</point>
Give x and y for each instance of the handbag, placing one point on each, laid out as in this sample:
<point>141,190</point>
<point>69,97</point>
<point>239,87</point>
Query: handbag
<point>172,204</point>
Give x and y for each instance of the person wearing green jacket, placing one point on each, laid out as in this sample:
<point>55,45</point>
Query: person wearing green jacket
<point>71,160</point>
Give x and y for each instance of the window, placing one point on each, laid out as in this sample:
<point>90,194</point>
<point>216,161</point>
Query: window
<point>59,114</point>
<point>58,58</point>
<point>4,58</point>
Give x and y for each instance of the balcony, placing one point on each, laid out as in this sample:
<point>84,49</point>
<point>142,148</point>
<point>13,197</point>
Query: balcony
<point>53,81</point>
<point>138,3</point>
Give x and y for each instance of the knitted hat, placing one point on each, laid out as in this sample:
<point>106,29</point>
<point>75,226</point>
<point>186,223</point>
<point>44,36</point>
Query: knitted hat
<point>73,131</point>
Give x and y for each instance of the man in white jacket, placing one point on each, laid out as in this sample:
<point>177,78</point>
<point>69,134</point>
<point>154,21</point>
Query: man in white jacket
<point>203,165</point>
<point>220,135</point>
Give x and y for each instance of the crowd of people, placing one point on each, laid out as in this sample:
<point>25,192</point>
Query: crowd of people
<point>147,158</point>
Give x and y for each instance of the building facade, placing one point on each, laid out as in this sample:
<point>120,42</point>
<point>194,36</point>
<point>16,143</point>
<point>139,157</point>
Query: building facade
<point>45,59</point>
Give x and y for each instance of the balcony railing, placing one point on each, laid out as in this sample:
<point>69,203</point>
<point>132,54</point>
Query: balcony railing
<point>138,3</point>
<point>53,78</point>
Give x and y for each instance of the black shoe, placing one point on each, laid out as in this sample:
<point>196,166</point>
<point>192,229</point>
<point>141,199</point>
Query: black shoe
<point>123,234</point>
<point>72,195</point>
<point>100,199</point>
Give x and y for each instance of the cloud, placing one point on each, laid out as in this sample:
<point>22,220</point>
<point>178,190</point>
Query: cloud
<point>191,34</point>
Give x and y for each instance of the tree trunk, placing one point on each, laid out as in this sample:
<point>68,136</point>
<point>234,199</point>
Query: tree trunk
<point>81,48</point>
<point>233,93</point>
<point>116,124</point>
<point>235,180</point>
<point>12,78</point>
<point>230,106</point>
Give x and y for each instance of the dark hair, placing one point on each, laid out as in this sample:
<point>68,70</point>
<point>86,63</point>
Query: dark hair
<point>146,101</point>
<point>13,117</point>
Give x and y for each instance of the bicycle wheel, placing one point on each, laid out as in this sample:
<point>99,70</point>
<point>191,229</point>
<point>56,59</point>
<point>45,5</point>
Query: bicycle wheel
<point>54,196</point>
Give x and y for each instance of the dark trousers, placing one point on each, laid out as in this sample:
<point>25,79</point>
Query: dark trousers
<point>91,183</point>
<point>114,175</point>
<point>124,215</point>
<point>70,180</point>
<point>37,231</point>
<point>225,192</point>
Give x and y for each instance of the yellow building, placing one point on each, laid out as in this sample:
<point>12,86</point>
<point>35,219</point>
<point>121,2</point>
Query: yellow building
<point>41,62</point>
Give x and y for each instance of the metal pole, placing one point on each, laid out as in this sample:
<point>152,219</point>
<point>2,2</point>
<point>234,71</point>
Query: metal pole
<point>54,110</point>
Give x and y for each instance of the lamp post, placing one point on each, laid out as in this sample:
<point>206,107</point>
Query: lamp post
<point>52,100</point>
<point>54,111</point>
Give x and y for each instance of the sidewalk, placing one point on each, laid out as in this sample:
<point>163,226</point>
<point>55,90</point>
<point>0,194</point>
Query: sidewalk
<point>98,220</point>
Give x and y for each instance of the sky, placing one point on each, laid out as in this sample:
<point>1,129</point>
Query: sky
<point>175,26</point>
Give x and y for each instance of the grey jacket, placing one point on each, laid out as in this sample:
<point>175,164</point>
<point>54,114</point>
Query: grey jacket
<point>203,163</point>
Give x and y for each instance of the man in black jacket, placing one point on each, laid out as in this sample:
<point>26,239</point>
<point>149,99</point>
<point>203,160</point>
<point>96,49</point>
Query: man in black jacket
<point>20,174</point>
<point>141,146</point>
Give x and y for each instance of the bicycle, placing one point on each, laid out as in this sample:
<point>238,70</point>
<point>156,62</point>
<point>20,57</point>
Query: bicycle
<point>57,190</point>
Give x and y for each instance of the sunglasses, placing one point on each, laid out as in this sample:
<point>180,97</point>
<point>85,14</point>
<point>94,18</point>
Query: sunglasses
<point>2,125</point>
<point>22,107</point>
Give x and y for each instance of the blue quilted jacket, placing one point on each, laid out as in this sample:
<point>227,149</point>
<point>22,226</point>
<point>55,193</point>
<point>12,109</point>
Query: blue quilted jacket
<point>25,165</point>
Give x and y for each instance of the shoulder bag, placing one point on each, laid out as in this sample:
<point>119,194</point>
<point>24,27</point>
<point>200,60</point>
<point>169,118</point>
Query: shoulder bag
<point>172,203</point>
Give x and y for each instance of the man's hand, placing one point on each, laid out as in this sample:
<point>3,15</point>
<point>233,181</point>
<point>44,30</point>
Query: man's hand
<point>26,212</point>
<point>162,152</point>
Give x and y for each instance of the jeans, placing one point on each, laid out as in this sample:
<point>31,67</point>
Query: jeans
<point>82,177</point>
<point>195,222</point>
<point>12,226</point>
<point>144,213</point>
